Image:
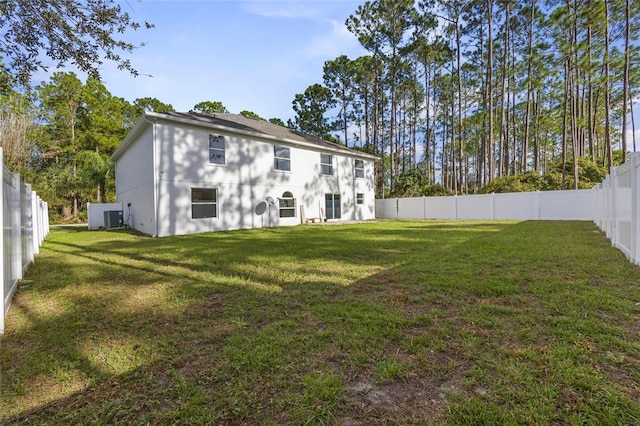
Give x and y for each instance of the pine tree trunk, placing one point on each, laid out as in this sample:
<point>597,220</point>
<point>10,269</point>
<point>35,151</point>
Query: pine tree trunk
<point>590,109</point>
<point>460,148</point>
<point>607,97</point>
<point>490,142</point>
<point>527,115</point>
<point>503,160</point>
<point>625,83</point>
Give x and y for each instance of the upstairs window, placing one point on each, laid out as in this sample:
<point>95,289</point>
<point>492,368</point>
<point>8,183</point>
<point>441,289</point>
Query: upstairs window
<point>216,149</point>
<point>282,158</point>
<point>287,205</point>
<point>204,203</point>
<point>326,164</point>
<point>359,168</point>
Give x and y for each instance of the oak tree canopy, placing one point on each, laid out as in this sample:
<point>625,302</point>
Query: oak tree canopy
<point>36,34</point>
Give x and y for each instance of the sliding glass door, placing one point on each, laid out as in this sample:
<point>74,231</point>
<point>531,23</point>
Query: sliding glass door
<point>332,206</point>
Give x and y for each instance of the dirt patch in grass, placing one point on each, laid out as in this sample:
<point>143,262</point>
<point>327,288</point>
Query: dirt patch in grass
<point>401,402</point>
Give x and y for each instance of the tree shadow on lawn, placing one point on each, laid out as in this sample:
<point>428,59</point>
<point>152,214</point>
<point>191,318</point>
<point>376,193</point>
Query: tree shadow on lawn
<point>181,329</point>
<point>231,361</point>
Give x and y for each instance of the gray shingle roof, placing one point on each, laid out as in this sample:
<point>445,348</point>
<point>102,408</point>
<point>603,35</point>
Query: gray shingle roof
<point>253,125</point>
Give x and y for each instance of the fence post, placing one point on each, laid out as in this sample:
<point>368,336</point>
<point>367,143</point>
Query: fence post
<point>609,206</point>
<point>493,206</point>
<point>614,222</point>
<point>5,297</point>
<point>634,248</point>
<point>35,224</point>
<point>455,206</point>
<point>16,229</point>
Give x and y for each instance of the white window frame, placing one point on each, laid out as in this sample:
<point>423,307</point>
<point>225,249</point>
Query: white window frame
<point>326,164</point>
<point>215,151</point>
<point>280,162</point>
<point>287,205</point>
<point>360,198</point>
<point>359,171</point>
<point>202,201</point>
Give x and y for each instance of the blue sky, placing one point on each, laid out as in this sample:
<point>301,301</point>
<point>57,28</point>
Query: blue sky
<point>249,55</point>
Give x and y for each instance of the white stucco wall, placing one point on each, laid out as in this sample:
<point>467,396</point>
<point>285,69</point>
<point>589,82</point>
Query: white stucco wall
<point>135,184</point>
<point>246,179</point>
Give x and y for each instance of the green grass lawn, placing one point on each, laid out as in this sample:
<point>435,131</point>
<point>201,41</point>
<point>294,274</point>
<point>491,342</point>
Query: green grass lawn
<point>394,322</point>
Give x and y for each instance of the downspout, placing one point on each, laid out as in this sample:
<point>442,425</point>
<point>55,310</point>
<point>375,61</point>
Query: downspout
<point>156,182</point>
<point>156,177</point>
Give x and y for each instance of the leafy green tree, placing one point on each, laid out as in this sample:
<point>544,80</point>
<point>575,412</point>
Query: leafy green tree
<point>338,75</point>
<point>589,174</point>
<point>102,129</point>
<point>363,81</point>
<point>436,190</point>
<point>96,173</point>
<point>151,104</point>
<point>384,28</point>
<point>250,114</point>
<point>311,107</point>
<point>101,118</point>
<point>208,107</point>
<point>61,99</point>
<point>277,121</point>
<point>80,127</point>
<point>132,112</point>
<point>414,183</point>
<point>78,32</point>
<point>522,183</point>
<point>409,184</point>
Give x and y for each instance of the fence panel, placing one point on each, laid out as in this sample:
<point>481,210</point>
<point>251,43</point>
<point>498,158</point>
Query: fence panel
<point>439,208</point>
<point>388,208</point>
<point>517,205</point>
<point>9,284</point>
<point>27,236</point>
<point>471,207</point>
<point>617,214</point>
<point>621,208</point>
<point>546,205</point>
<point>412,208</point>
<point>25,221</point>
<point>575,204</point>
<point>635,208</point>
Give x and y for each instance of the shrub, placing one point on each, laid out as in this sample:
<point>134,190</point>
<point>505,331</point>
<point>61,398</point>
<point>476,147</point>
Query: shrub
<point>435,190</point>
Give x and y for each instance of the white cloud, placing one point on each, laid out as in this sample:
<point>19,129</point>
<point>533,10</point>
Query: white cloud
<point>338,41</point>
<point>283,9</point>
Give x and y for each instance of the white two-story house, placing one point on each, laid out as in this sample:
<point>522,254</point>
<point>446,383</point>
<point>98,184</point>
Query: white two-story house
<point>179,173</point>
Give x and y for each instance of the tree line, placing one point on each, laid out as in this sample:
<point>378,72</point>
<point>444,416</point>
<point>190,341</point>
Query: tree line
<point>453,96</point>
<point>60,135</point>
<point>462,93</point>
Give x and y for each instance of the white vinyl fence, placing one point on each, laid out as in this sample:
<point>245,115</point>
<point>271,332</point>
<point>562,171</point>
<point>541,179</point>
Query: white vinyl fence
<point>618,201</point>
<point>613,205</point>
<point>546,205</point>
<point>25,220</point>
